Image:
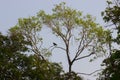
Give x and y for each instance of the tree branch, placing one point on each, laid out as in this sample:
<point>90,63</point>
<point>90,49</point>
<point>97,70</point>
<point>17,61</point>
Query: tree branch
<point>58,47</point>
<point>85,56</point>
<point>90,73</point>
<point>109,25</point>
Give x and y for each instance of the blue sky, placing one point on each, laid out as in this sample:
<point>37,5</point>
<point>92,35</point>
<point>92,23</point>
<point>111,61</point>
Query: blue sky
<point>11,10</point>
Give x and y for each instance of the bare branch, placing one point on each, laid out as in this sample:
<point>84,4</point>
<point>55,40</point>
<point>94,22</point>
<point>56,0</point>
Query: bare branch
<point>85,56</point>
<point>79,50</point>
<point>109,25</point>
<point>84,46</point>
<point>90,73</point>
<point>58,48</point>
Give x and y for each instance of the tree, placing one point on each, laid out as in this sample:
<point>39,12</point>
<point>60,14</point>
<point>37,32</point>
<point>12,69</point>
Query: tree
<point>112,63</point>
<point>16,65</point>
<point>10,58</point>
<point>70,25</point>
<point>30,28</point>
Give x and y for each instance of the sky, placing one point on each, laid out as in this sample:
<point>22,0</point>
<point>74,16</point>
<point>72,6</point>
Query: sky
<point>11,10</point>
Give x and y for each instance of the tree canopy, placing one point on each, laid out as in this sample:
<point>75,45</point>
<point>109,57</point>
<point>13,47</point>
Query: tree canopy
<point>71,25</point>
<point>23,57</point>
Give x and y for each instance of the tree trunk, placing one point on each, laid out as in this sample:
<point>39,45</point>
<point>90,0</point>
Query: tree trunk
<point>70,68</point>
<point>70,71</point>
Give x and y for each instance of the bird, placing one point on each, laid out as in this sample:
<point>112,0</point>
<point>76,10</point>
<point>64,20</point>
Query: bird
<point>54,44</point>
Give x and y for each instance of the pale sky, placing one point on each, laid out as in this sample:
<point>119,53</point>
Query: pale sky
<point>11,10</point>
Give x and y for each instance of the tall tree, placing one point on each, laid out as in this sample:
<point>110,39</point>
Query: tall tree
<point>71,26</point>
<point>112,15</point>
<point>30,28</point>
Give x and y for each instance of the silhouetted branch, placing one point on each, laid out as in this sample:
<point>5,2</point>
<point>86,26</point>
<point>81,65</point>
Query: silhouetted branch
<point>90,73</point>
<point>85,56</point>
<point>58,48</point>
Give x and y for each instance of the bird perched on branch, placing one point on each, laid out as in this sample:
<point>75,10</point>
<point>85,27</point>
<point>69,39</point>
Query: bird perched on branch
<point>54,44</point>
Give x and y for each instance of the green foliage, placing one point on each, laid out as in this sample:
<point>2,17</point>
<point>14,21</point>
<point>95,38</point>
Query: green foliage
<point>112,70</point>
<point>112,63</point>
<point>68,24</point>
<point>71,26</point>
<point>112,15</point>
<point>10,58</point>
<point>72,76</point>
<point>30,28</point>
<point>17,66</point>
